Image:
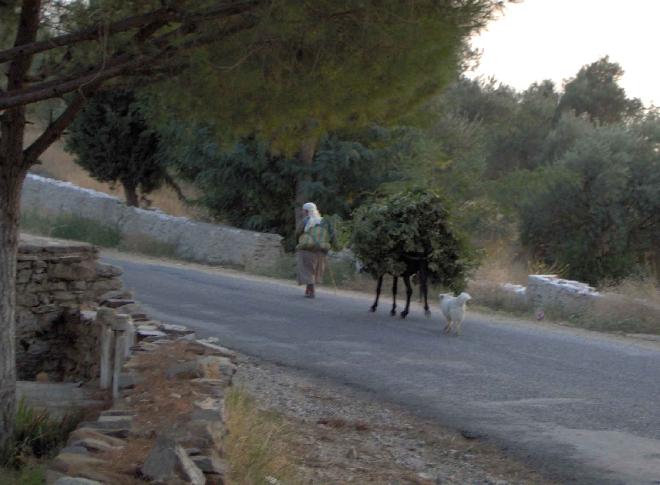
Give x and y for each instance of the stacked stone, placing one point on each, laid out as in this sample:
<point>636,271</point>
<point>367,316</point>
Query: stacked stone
<point>188,453</point>
<point>550,291</point>
<point>55,279</point>
<point>187,239</point>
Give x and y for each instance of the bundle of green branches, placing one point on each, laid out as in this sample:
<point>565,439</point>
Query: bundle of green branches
<point>390,232</point>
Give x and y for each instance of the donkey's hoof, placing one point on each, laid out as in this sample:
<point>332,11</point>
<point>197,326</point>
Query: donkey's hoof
<point>427,313</point>
<point>404,314</point>
<point>393,313</point>
<point>372,309</point>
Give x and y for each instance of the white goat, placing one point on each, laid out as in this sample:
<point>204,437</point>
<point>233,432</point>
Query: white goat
<point>453,308</point>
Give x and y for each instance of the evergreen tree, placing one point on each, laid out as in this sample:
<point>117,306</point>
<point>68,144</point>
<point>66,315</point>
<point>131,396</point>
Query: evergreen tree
<point>111,140</point>
<point>600,215</point>
<point>595,91</point>
<point>251,185</point>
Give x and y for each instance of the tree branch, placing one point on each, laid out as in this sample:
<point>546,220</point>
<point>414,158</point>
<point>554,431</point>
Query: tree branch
<point>117,66</point>
<point>39,93</point>
<point>150,22</point>
<point>90,33</point>
<point>57,127</point>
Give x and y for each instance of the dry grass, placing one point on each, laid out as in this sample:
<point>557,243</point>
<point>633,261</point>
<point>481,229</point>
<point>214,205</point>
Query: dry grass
<point>59,164</point>
<point>256,446</point>
<point>491,295</point>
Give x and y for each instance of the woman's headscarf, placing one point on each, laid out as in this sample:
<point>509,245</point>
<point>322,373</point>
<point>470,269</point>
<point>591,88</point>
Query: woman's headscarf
<point>314,216</point>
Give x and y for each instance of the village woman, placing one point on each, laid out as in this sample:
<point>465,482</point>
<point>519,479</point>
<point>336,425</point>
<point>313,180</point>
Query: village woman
<point>315,238</point>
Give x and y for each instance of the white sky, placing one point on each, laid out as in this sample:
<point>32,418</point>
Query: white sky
<point>552,39</point>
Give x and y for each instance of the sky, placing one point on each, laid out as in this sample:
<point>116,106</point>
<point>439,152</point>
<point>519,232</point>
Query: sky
<point>552,39</point>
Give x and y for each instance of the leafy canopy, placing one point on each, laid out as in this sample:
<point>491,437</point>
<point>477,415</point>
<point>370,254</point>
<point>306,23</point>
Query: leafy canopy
<point>601,213</point>
<point>307,68</point>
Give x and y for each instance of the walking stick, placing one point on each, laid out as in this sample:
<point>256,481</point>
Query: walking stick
<point>332,276</point>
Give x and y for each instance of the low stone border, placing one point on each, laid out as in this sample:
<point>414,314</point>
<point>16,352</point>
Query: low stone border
<point>191,451</point>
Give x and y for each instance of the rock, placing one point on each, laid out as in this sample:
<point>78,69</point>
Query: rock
<point>210,464</point>
<point>129,308</point>
<point>210,344</point>
<point>204,434</point>
<point>72,272</point>
<point>215,367</point>
<point>116,302</point>
<point>118,412</point>
<point>183,370</point>
<point>72,462</point>
<point>168,461</point>
<point>76,449</point>
<point>209,403</point>
<point>81,434</point>
<point>76,481</point>
<point>116,294</point>
<point>107,270</point>
<point>119,429</point>
<point>352,453</point>
<point>175,329</point>
<point>151,333</point>
<point>472,435</point>
<point>94,445</point>
<point>214,387</point>
<point>52,476</point>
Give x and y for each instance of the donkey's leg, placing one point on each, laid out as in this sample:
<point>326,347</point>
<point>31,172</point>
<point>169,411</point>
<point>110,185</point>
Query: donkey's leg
<point>424,288</point>
<point>394,290</point>
<point>409,292</point>
<point>378,285</point>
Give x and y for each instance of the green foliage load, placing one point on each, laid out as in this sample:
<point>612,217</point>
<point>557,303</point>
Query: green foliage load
<point>409,226</point>
<point>112,141</point>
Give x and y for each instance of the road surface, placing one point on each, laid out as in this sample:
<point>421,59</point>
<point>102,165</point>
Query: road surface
<point>580,408</point>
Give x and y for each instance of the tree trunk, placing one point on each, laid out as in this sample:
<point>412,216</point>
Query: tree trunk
<point>306,157</point>
<point>130,191</point>
<point>11,182</point>
<point>12,173</point>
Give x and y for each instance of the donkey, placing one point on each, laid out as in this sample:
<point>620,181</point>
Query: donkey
<point>414,266</point>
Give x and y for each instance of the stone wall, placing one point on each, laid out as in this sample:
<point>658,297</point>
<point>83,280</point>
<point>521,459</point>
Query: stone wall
<point>56,281</point>
<point>191,240</point>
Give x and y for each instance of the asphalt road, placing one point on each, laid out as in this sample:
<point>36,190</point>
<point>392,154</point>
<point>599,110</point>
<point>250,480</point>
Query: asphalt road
<point>580,408</point>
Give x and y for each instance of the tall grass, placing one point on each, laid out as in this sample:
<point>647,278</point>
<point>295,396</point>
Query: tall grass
<point>36,435</point>
<point>78,228</point>
<point>256,445</point>
<point>68,226</point>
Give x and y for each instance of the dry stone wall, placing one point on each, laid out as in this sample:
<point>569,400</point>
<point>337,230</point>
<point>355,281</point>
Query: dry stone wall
<point>195,241</point>
<point>56,281</point>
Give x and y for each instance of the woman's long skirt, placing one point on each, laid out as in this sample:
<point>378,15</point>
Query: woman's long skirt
<point>311,265</point>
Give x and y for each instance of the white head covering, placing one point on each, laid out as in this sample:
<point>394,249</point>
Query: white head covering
<point>314,216</point>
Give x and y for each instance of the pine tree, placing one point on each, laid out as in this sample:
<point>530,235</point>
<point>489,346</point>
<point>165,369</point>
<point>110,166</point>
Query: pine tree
<point>111,140</point>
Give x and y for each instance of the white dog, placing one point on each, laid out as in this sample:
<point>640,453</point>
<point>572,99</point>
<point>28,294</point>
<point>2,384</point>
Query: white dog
<point>453,308</point>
